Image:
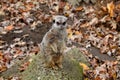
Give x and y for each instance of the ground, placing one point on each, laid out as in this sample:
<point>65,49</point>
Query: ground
<point>93,28</point>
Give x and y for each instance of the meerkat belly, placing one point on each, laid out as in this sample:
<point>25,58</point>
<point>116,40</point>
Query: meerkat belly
<point>57,46</point>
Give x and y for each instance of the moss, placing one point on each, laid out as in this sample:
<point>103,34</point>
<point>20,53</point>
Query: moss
<point>71,69</point>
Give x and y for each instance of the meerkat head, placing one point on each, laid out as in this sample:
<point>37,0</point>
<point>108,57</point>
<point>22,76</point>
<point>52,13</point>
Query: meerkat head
<point>59,22</point>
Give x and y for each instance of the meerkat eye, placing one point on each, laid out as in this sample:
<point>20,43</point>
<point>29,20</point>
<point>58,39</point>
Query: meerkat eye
<point>57,23</point>
<point>64,23</point>
<point>53,21</point>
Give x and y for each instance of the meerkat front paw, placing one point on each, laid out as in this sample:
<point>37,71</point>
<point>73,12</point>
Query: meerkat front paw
<point>55,67</point>
<point>60,66</point>
<point>54,48</point>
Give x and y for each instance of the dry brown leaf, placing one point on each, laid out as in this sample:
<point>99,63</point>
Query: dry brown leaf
<point>113,24</point>
<point>62,4</point>
<point>104,8</point>
<point>86,79</point>
<point>66,14</point>
<point>47,18</point>
<point>94,21</point>
<point>24,66</point>
<point>85,67</point>
<point>18,52</point>
<point>9,28</point>
<point>97,78</point>
<point>111,7</point>
<point>69,30</point>
<point>77,32</point>
<point>105,18</point>
<point>1,78</point>
<point>3,68</point>
<point>70,33</point>
<point>115,76</point>
<point>118,19</point>
<point>106,39</point>
<point>35,50</point>
<point>1,55</point>
<point>118,6</point>
<point>11,1</point>
<point>67,7</point>
<point>79,8</point>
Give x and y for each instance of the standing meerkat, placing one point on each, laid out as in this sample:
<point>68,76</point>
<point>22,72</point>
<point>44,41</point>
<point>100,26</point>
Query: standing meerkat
<point>54,43</point>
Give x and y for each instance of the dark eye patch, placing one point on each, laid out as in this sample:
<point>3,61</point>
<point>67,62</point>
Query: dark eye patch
<point>63,23</point>
<point>53,21</point>
<point>57,23</point>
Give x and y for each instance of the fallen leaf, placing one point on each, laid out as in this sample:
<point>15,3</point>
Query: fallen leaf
<point>118,19</point>
<point>1,55</point>
<point>9,28</point>
<point>85,67</point>
<point>66,14</point>
<point>3,68</point>
<point>70,33</point>
<point>115,76</point>
<point>62,4</point>
<point>1,78</point>
<point>94,21</point>
<point>104,8</point>
<point>56,8</point>
<point>113,24</point>
<point>24,66</point>
<point>79,8</point>
<point>105,18</point>
<point>77,32</point>
<point>97,78</point>
<point>35,50</point>
<point>86,79</point>
<point>67,7</point>
<point>110,7</point>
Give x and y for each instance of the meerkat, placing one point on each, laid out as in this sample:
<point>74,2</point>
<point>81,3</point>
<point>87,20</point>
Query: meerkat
<point>54,43</point>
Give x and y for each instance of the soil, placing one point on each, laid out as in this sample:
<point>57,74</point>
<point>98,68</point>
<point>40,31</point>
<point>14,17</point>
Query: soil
<point>34,35</point>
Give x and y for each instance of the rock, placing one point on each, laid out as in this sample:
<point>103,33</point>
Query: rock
<point>71,68</point>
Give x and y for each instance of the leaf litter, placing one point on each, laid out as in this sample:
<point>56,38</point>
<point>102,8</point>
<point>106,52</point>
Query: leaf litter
<point>91,27</point>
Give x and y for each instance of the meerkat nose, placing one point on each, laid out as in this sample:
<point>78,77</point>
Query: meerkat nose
<point>61,26</point>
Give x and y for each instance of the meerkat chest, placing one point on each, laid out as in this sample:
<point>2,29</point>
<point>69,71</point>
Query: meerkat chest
<point>59,39</point>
